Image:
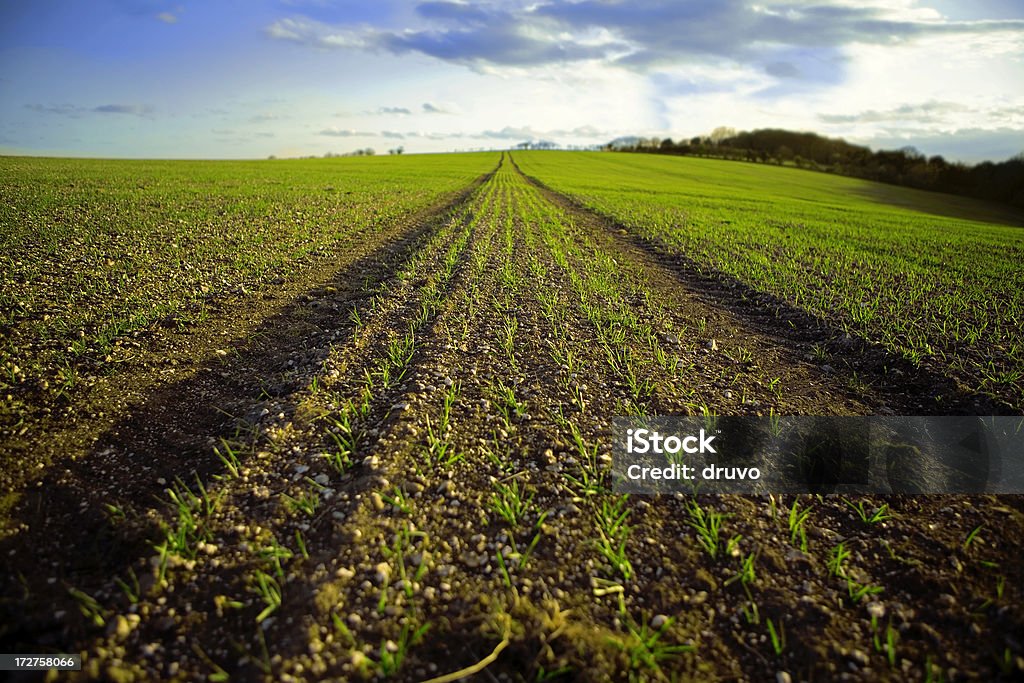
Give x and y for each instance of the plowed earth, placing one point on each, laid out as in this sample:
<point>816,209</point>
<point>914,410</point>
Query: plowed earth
<point>399,468</point>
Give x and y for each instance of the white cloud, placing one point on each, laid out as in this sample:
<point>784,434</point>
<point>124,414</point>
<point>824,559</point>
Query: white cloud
<point>345,133</point>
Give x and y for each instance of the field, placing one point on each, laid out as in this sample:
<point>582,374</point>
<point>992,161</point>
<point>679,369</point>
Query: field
<point>346,418</point>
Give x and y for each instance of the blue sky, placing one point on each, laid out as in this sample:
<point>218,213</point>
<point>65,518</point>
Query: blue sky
<point>237,79</point>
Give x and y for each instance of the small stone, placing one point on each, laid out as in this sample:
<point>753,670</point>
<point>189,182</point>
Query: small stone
<point>359,660</point>
<point>122,626</point>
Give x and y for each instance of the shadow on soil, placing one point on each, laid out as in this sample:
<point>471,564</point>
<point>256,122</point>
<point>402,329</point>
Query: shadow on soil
<point>941,204</point>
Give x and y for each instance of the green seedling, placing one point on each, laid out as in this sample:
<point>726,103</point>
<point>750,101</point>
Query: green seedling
<point>269,590</point>
<point>777,636</point>
<point>644,648</point>
<point>307,502</point>
<point>798,525</point>
<point>226,454</point>
<point>880,514</point>
<point>614,531</point>
<point>510,501</point>
<point>707,524</point>
<point>89,607</point>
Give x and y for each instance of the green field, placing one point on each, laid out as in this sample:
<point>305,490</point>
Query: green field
<point>92,251</point>
<point>351,419</point>
<point>928,276</point>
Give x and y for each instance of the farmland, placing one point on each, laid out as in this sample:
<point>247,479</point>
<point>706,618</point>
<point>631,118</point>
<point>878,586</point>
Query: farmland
<point>932,283</point>
<point>293,419</point>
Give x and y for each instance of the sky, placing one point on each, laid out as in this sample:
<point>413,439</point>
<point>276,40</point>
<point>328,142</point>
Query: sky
<point>254,78</point>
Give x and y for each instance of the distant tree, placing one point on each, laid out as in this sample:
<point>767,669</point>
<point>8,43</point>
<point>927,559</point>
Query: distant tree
<point>1002,181</point>
<point>721,133</point>
<point>912,153</point>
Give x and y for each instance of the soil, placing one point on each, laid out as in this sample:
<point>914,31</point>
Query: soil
<point>391,555</point>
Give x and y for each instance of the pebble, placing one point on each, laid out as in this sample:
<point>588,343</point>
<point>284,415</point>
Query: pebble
<point>124,625</point>
<point>412,487</point>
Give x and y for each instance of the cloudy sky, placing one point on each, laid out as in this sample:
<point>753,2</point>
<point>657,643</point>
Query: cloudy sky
<point>251,78</point>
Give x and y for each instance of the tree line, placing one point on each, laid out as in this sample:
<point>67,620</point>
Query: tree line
<point>995,181</point>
